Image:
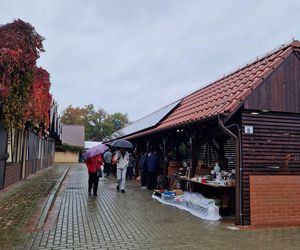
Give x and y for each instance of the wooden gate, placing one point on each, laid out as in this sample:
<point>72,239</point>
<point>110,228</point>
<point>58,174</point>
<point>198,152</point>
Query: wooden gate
<point>3,154</point>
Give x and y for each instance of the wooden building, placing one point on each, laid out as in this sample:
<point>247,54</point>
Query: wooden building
<point>250,121</point>
<point>71,135</point>
<point>27,150</point>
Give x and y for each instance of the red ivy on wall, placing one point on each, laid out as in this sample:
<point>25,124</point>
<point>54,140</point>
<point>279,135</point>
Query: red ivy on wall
<point>40,101</point>
<point>24,88</point>
<point>22,37</point>
<point>9,64</point>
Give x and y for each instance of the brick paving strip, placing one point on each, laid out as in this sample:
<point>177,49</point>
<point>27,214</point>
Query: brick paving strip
<point>50,201</point>
<point>135,221</point>
<point>20,202</point>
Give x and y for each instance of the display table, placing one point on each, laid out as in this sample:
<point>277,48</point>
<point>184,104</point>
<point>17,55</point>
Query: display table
<point>211,184</point>
<point>186,180</point>
<point>226,194</point>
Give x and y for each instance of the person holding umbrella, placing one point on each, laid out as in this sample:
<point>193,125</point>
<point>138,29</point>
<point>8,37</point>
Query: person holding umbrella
<point>122,159</point>
<point>94,167</point>
<point>93,159</point>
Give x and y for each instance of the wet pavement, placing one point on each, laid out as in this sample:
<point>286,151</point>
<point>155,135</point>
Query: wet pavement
<point>20,203</point>
<point>124,221</point>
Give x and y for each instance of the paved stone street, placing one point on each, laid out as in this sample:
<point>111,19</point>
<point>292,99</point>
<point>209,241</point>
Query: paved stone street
<point>18,204</point>
<point>123,221</point>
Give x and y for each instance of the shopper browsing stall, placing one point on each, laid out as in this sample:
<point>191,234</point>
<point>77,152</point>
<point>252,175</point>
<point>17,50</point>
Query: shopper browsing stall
<point>122,159</point>
<point>143,170</point>
<point>153,165</point>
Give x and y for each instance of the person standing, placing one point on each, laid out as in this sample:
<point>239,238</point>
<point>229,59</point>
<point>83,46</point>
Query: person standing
<point>153,165</point>
<point>143,170</point>
<point>107,162</point>
<point>122,158</point>
<point>113,169</point>
<point>131,166</point>
<point>94,167</point>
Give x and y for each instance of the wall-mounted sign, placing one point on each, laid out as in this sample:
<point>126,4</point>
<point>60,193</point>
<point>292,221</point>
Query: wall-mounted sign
<point>248,129</point>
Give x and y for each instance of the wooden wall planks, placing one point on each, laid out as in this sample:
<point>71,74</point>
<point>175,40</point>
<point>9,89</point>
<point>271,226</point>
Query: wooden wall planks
<point>280,91</point>
<point>273,148</point>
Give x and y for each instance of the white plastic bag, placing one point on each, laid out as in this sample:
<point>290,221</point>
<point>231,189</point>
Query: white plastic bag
<point>195,203</point>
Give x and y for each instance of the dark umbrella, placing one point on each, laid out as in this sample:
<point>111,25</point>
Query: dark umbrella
<point>121,143</point>
<point>108,144</point>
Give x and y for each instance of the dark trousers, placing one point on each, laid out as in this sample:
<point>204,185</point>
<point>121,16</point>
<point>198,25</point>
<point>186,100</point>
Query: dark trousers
<point>129,173</point>
<point>93,182</point>
<point>151,180</point>
<point>143,178</point>
<point>114,169</point>
<point>107,168</point>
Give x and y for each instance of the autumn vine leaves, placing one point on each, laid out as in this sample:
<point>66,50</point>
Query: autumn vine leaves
<point>24,87</point>
<point>41,99</point>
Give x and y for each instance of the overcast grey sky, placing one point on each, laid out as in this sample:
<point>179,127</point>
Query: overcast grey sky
<point>135,56</point>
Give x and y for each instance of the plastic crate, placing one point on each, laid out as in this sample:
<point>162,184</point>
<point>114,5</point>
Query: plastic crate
<point>167,197</point>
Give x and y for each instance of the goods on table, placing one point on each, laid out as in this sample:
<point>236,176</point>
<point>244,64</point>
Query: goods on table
<point>157,193</point>
<point>222,178</point>
<point>217,168</point>
<point>169,193</point>
<point>178,191</point>
<point>168,197</point>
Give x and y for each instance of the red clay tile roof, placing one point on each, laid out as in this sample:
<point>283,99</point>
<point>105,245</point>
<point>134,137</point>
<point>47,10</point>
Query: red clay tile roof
<point>226,94</point>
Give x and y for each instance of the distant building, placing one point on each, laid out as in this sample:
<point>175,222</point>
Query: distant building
<point>72,136</point>
<point>90,144</point>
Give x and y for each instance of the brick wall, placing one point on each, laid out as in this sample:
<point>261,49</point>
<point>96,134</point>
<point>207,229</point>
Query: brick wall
<point>275,200</point>
<point>12,174</point>
<point>44,163</point>
<point>38,165</point>
<point>29,166</point>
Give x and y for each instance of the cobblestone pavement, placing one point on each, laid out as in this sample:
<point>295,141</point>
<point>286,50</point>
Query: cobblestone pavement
<point>135,221</point>
<point>19,203</point>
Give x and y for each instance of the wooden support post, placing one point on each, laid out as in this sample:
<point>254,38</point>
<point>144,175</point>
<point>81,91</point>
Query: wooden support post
<point>3,154</point>
<point>147,144</point>
<point>24,153</point>
<point>193,149</point>
<point>238,169</point>
<point>164,156</point>
<point>137,170</point>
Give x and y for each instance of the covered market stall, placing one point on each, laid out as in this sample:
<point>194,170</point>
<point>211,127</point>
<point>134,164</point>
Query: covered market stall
<point>236,141</point>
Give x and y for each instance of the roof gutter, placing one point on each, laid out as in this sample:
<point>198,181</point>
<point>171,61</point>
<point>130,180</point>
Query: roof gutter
<point>238,167</point>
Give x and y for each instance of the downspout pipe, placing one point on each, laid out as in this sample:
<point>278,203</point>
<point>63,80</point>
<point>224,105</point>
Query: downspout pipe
<point>165,156</point>
<point>238,157</point>
<point>147,145</point>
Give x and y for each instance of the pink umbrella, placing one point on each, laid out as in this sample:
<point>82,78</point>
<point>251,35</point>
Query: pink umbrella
<point>97,150</point>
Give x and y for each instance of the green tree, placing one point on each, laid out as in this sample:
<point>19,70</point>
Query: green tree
<point>72,115</point>
<point>98,124</point>
<point>114,122</point>
<point>93,122</point>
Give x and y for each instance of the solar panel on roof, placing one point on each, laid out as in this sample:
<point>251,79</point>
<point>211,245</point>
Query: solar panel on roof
<point>146,122</point>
